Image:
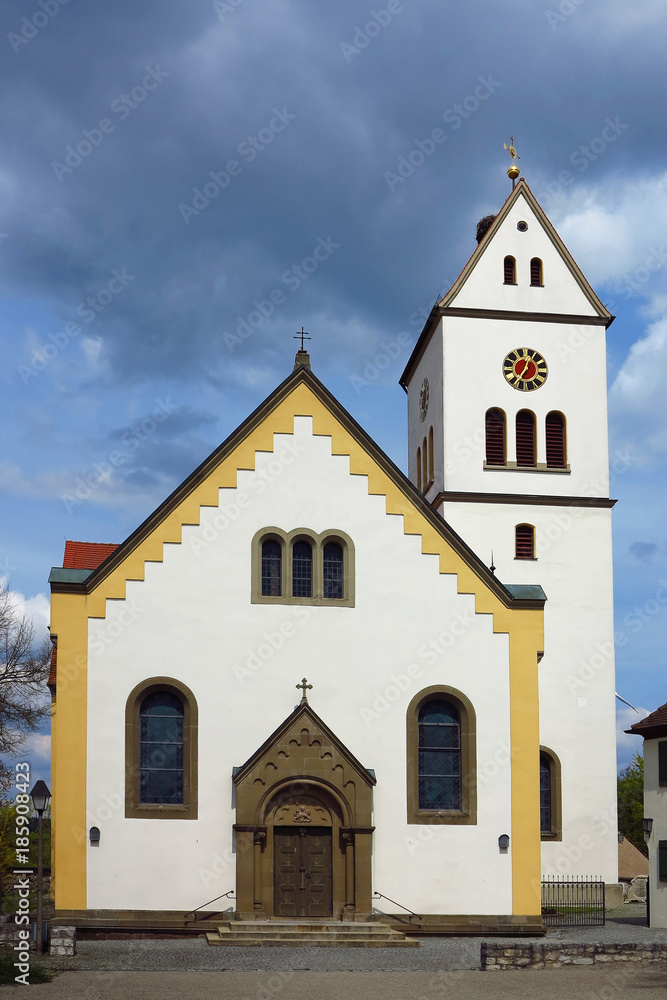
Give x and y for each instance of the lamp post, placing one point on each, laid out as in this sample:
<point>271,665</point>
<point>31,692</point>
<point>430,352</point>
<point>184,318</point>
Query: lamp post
<point>40,799</point>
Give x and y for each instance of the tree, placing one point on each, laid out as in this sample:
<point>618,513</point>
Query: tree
<point>24,669</point>
<point>631,802</point>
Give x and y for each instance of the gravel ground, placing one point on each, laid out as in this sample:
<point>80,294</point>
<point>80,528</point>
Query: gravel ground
<point>435,954</point>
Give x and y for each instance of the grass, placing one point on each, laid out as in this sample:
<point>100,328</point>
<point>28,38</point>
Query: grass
<point>8,973</point>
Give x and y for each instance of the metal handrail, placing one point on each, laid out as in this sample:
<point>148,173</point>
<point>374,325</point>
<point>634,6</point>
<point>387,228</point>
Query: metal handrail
<point>231,894</point>
<point>378,895</point>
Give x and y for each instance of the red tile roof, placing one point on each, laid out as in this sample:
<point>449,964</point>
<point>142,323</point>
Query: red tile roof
<point>656,720</point>
<point>86,555</point>
<point>631,862</point>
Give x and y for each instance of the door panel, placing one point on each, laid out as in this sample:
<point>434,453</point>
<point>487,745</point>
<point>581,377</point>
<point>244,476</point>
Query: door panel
<point>302,872</point>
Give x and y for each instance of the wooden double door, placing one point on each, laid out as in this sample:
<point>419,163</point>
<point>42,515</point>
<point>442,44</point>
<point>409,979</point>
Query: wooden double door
<point>302,882</point>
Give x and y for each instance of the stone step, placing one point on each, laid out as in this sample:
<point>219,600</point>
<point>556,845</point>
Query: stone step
<point>330,934</point>
<point>276,926</point>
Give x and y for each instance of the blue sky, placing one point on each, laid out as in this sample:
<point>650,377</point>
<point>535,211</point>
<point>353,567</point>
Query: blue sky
<point>166,168</point>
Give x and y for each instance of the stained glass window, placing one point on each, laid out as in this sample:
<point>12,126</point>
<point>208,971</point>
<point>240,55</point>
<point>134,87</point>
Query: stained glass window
<point>439,756</point>
<point>545,795</point>
<point>302,570</point>
<point>161,749</point>
<point>333,571</point>
<point>271,569</point>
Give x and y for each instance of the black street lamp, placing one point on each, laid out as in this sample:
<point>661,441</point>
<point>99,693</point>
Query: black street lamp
<point>40,799</point>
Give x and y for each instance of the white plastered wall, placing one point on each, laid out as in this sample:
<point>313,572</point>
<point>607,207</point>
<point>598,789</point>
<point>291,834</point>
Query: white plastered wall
<point>192,619</point>
<point>485,288</point>
<point>655,806</point>
<point>576,675</point>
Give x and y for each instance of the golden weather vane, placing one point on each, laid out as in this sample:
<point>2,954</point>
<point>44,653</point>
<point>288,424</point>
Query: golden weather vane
<point>512,172</point>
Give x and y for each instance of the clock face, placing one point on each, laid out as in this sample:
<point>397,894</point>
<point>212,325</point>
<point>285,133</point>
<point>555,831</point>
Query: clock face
<point>423,400</point>
<point>525,369</point>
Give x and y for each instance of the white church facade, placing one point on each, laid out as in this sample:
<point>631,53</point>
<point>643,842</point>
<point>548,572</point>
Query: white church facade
<point>453,736</point>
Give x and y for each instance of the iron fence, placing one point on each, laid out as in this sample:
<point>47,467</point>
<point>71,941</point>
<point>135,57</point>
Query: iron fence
<point>573,902</point>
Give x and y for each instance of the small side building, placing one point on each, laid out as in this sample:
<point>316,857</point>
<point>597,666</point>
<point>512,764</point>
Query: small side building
<point>653,729</point>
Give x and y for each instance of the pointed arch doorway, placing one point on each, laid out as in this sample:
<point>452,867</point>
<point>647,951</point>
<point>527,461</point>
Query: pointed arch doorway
<point>303,832</point>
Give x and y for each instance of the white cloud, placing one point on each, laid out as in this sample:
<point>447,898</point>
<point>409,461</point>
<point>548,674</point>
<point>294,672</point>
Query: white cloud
<point>36,608</point>
<point>614,227</point>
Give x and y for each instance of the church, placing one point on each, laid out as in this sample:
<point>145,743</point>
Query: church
<point>308,685</point>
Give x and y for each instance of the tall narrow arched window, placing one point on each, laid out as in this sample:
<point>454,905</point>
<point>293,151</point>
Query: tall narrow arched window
<point>332,568</point>
<point>424,464</point>
<point>161,749</point>
<point>509,271</point>
<point>302,570</point>
<point>550,796</point>
<point>430,455</point>
<point>419,469</point>
<point>272,569</point>
<point>555,440</point>
<point>495,437</point>
<point>524,541</point>
<point>545,795</point>
<point>536,272</point>
<point>525,438</point>
<point>439,756</point>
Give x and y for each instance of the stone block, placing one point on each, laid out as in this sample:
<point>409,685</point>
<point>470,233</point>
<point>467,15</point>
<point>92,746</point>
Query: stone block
<point>613,895</point>
<point>62,941</point>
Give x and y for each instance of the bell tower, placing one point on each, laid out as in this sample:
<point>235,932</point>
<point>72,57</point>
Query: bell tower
<point>507,436</point>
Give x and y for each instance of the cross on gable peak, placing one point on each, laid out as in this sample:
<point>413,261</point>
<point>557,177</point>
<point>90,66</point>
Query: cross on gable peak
<point>304,686</point>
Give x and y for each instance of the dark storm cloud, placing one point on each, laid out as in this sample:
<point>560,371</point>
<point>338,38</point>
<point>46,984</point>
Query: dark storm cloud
<point>206,150</point>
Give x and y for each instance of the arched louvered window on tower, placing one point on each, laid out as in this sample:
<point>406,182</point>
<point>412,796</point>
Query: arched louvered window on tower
<point>332,568</point>
<point>536,272</point>
<point>525,438</point>
<point>555,440</point>
<point>509,271</point>
<point>439,756</point>
<point>524,541</point>
<point>272,565</point>
<point>424,464</point>
<point>419,469</point>
<point>495,437</point>
<point>430,455</point>
<point>302,570</point>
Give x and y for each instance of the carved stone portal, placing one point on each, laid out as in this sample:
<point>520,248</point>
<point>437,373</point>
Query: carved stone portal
<point>303,778</point>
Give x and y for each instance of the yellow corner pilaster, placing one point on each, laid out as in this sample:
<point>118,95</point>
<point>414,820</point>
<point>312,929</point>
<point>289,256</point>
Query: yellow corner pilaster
<point>70,623</point>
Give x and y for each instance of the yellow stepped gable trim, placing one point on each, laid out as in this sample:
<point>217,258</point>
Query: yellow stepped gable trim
<point>525,625</point>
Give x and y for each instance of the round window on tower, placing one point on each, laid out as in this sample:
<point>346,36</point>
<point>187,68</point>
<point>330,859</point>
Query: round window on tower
<point>522,226</point>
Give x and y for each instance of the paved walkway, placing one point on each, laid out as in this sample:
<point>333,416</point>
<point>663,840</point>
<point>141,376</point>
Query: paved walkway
<point>571,983</point>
